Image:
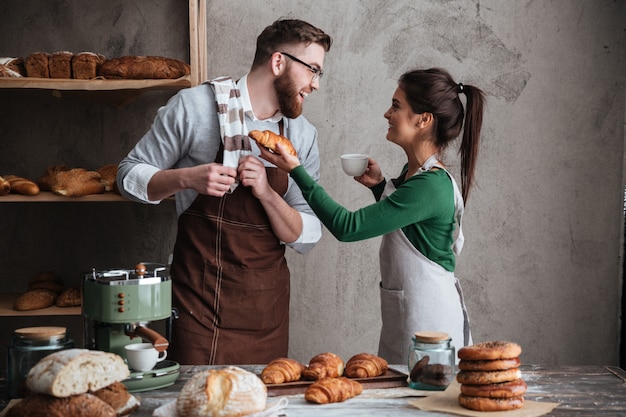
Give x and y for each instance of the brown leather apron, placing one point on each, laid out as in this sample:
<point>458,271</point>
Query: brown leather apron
<point>230,281</point>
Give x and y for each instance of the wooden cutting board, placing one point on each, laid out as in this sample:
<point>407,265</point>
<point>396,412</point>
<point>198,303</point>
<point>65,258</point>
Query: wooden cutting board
<point>389,379</point>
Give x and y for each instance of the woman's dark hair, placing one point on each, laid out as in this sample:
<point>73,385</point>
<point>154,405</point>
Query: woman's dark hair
<point>434,91</point>
<point>286,32</point>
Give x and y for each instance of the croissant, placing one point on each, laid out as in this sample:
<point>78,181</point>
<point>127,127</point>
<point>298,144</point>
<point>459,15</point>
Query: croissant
<point>332,390</point>
<point>365,365</point>
<point>323,365</point>
<point>282,370</point>
<point>269,139</point>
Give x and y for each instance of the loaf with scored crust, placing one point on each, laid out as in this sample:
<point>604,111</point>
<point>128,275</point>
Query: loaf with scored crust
<point>76,371</point>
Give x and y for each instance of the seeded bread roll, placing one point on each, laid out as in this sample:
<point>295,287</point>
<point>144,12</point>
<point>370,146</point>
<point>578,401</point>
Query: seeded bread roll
<point>83,405</point>
<point>77,182</point>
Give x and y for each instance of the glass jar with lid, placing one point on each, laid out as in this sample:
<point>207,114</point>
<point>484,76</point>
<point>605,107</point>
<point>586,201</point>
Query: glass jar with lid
<point>431,361</point>
<point>28,345</point>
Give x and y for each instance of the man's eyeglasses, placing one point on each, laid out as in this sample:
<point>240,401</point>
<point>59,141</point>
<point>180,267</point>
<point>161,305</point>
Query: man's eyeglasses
<point>317,73</point>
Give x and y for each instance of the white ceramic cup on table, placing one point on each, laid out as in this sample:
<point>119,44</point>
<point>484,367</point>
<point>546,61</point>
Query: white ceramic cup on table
<point>354,164</point>
<point>143,356</point>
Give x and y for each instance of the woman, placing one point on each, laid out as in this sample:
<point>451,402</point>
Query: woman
<point>418,214</point>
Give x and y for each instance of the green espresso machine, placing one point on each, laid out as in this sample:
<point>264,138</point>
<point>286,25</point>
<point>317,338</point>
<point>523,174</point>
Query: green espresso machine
<point>118,305</point>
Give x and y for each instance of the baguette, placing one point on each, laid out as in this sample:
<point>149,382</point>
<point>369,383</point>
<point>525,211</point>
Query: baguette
<point>76,371</point>
<point>21,185</point>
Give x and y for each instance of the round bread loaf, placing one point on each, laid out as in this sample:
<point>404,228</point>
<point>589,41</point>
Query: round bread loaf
<point>490,351</point>
<point>490,404</point>
<point>488,377</point>
<point>229,391</point>
<point>500,390</point>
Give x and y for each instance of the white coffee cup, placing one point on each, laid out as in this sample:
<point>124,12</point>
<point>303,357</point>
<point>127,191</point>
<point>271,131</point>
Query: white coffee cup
<point>143,356</point>
<point>354,164</point>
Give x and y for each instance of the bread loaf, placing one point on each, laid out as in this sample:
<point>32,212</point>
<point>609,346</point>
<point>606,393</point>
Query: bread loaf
<point>8,72</point>
<point>70,297</point>
<point>21,185</point>
<point>230,391</point>
<point>35,300</point>
<point>60,64</point>
<point>144,67</point>
<point>108,173</point>
<point>5,186</point>
<point>77,182</point>
<point>48,178</point>
<point>37,65</point>
<point>15,65</point>
<point>117,396</point>
<point>85,65</point>
<point>48,285</point>
<point>40,405</point>
<point>76,371</point>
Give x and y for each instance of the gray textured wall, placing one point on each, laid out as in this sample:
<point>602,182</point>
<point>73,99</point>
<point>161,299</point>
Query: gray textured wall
<point>543,227</point>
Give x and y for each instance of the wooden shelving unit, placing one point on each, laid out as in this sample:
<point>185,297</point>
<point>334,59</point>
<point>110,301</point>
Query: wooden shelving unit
<point>6,309</point>
<point>117,93</point>
<point>121,92</point>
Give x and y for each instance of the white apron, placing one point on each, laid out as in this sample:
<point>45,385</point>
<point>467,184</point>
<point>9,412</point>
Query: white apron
<point>417,294</point>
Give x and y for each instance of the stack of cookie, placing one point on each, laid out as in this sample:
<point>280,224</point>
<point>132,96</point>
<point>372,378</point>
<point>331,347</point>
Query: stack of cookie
<point>490,377</point>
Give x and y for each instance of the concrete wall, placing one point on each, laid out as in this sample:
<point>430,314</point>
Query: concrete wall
<point>542,261</point>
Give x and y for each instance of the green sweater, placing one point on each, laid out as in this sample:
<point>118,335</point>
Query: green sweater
<point>422,206</point>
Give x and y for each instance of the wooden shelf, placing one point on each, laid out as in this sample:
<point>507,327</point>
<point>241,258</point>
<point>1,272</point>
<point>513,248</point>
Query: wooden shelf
<point>6,309</point>
<point>119,93</point>
<point>48,197</point>
<point>93,85</point>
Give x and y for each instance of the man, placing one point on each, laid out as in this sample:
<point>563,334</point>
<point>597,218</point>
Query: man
<point>230,277</point>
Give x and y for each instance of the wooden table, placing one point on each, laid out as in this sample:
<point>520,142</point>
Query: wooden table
<point>582,391</point>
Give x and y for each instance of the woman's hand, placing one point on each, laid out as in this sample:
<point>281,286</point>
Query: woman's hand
<point>282,159</point>
<point>372,175</point>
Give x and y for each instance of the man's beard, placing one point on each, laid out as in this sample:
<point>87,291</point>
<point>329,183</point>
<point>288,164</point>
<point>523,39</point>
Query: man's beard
<point>288,96</point>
